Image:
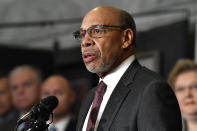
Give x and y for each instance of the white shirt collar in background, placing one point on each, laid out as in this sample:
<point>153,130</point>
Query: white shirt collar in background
<point>62,124</point>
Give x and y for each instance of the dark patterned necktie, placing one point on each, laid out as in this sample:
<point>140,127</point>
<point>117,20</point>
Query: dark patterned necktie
<point>98,97</point>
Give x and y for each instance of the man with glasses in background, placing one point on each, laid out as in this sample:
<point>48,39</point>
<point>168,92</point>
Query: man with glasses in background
<point>129,97</point>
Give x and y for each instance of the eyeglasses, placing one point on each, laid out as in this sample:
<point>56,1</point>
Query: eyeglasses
<point>96,31</point>
<point>180,89</point>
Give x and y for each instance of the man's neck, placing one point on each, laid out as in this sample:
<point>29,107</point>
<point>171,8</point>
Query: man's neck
<point>119,61</point>
<point>114,66</point>
<point>60,117</point>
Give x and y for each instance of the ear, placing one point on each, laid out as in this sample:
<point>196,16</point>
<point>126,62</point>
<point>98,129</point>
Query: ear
<point>128,38</point>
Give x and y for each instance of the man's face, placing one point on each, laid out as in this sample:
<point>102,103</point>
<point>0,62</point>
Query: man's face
<point>25,89</point>
<point>101,54</point>
<point>59,87</point>
<point>186,92</point>
<point>5,97</point>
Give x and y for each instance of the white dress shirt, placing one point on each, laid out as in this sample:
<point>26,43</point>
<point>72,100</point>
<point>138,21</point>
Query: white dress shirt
<point>111,81</point>
<point>61,125</point>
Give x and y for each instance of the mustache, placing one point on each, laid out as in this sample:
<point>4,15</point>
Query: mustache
<point>96,52</point>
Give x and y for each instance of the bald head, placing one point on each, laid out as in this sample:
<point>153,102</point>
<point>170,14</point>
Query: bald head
<point>57,85</point>
<point>102,14</point>
<point>110,15</point>
<point>106,9</point>
<point>56,80</point>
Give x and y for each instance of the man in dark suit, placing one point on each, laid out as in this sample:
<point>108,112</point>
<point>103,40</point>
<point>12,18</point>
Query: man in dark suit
<point>131,97</point>
<point>8,115</point>
<point>57,85</point>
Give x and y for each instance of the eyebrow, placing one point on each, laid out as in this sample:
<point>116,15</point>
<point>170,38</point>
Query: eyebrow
<point>89,26</point>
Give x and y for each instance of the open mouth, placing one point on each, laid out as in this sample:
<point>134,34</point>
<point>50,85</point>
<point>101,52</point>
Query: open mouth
<point>88,57</point>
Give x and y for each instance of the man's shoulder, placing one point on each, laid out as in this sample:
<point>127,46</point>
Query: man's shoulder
<point>149,74</point>
<point>9,125</point>
<point>72,124</point>
<point>144,77</point>
<point>137,72</point>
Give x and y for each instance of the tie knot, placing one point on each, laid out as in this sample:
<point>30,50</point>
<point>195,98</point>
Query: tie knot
<point>101,87</point>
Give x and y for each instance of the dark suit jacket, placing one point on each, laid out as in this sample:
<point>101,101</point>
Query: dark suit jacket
<point>141,101</point>
<point>9,125</point>
<point>71,125</point>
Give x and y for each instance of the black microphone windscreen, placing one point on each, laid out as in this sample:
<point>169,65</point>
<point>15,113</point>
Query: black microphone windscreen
<point>50,102</point>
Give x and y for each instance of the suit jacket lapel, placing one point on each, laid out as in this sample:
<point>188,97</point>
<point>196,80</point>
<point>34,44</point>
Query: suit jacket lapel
<point>117,97</point>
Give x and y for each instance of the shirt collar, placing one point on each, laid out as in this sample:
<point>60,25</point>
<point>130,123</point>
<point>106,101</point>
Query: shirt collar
<point>113,77</point>
<point>60,125</point>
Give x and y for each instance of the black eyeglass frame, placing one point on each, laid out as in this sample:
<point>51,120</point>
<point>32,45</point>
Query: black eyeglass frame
<point>77,33</point>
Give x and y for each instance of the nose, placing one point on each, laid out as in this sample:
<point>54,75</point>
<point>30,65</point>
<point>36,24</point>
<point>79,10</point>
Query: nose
<point>20,90</point>
<point>86,41</point>
<point>188,92</point>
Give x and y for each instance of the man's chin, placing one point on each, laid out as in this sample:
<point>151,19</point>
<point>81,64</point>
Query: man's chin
<point>94,69</point>
<point>58,114</point>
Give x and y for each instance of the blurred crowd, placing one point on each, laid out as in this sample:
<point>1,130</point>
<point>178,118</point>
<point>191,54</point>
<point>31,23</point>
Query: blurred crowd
<point>23,87</point>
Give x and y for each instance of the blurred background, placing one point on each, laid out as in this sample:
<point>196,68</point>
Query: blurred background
<point>39,32</point>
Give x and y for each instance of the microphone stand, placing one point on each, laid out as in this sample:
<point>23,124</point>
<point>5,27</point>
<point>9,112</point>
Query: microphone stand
<point>36,119</point>
<point>39,123</point>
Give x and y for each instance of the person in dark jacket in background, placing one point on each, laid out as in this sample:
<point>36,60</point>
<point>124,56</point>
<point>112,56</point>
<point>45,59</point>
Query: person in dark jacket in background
<point>59,86</point>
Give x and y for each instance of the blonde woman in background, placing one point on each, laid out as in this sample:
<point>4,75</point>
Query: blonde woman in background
<point>183,80</point>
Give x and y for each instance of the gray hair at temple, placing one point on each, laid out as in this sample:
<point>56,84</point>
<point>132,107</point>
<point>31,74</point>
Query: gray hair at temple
<point>37,73</point>
<point>126,20</point>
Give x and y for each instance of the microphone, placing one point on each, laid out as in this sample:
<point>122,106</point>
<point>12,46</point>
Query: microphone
<point>44,108</point>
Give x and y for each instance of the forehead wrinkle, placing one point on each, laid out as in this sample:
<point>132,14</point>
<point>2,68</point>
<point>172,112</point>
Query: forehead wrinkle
<point>101,16</point>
